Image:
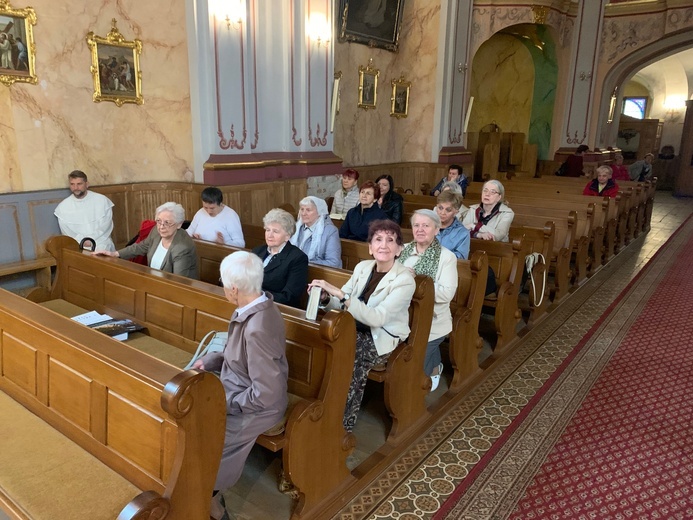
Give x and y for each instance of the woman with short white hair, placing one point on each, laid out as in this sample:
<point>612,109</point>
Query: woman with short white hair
<point>253,367</point>
<point>427,257</point>
<point>316,235</point>
<point>168,247</point>
<point>491,219</point>
<point>286,266</point>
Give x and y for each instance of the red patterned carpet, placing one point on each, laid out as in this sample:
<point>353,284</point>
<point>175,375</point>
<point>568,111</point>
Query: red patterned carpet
<point>627,452</point>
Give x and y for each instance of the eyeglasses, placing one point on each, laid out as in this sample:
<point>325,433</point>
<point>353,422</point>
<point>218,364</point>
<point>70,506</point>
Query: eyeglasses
<point>490,192</point>
<point>164,223</point>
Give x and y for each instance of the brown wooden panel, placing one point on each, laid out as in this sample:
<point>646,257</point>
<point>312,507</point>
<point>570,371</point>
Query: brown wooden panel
<point>82,283</point>
<point>164,313</point>
<point>19,362</point>
<point>99,395</point>
<point>119,297</point>
<point>135,433</point>
<point>69,394</point>
<point>205,322</point>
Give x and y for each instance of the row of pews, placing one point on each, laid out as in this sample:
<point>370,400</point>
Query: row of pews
<point>158,429</point>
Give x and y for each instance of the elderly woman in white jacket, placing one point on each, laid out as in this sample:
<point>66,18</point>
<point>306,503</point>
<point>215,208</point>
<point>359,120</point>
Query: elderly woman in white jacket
<point>427,257</point>
<point>378,296</point>
<point>490,220</point>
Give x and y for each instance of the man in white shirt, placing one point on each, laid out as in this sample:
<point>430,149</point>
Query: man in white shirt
<point>215,221</point>
<point>86,214</point>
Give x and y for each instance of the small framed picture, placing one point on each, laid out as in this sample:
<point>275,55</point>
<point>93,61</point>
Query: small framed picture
<point>399,101</point>
<point>368,86</point>
<point>115,68</point>
<point>17,47</point>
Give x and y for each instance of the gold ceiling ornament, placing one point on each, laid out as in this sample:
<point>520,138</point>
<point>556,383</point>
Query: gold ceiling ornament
<point>539,13</point>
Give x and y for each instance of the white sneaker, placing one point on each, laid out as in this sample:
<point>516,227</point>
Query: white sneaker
<point>435,380</point>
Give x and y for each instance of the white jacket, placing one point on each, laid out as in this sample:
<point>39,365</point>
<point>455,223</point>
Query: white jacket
<point>387,311</point>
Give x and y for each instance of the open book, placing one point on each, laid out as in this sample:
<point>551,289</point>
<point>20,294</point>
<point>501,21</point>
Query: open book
<point>116,328</point>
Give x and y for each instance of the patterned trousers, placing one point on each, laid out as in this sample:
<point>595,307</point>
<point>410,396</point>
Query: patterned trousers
<point>366,358</point>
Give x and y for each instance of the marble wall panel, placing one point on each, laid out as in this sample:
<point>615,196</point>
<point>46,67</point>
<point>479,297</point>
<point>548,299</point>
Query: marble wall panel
<point>372,136</point>
<point>54,127</point>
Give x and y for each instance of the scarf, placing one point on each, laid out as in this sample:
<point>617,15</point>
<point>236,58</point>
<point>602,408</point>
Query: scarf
<point>318,228</point>
<point>427,264</point>
<point>482,220</point>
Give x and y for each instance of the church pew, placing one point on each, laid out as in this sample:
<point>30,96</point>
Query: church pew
<point>465,306</point>
<point>406,386</point>
<point>151,434</point>
<point>179,312</point>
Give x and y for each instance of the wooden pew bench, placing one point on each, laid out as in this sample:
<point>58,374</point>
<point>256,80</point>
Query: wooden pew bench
<point>90,428</point>
<point>406,386</point>
<point>179,312</point>
<point>41,267</point>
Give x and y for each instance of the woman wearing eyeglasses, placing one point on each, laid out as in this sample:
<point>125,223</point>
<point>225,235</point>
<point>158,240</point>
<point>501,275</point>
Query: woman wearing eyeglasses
<point>491,219</point>
<point>168,247</point>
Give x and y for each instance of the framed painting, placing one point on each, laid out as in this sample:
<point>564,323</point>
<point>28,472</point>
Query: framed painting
<point>368,86</point>
<point>399,101</point>
<point>375,23</point>
<point>115,68</point>
<point>17,47</point>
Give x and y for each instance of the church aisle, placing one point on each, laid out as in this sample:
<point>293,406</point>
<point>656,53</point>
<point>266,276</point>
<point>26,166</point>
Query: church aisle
<point>418,484</point>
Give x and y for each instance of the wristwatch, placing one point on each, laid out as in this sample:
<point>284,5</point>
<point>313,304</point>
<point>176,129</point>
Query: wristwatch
<point>344,300</point>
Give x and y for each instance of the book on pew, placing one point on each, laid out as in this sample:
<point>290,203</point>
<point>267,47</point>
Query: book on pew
<point>313,303</point>
<point>116,328</point>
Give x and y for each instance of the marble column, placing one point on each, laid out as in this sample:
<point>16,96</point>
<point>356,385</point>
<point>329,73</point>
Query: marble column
<point>261,83</point>
<point>684,179</point>
<point>454,69</point>
<point>579,101</point>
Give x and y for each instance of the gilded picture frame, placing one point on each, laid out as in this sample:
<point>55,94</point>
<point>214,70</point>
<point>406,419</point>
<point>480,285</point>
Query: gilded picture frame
<point>17,46</point>
<point>376,23</point>
<point>115,67</point>
<point>368,86</point>
<point>399,101</point>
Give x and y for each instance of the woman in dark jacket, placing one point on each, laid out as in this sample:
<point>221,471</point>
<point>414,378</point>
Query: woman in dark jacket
<point>390,201</point>
<point>286,266</point>
<point>355,225</point>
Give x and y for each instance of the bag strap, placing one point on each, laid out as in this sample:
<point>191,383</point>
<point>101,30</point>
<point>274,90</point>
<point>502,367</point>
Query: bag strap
<point>201,349</point>
<point>530,261</point>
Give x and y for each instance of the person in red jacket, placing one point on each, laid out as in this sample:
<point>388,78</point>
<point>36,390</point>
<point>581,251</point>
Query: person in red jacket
<point>620,171</point>
<point>603,185</point>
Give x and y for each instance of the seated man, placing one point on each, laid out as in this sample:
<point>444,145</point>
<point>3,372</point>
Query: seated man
<point>86,214</point>
<point>603,185</point>
<point>455,174</point>
<point>216,222</point>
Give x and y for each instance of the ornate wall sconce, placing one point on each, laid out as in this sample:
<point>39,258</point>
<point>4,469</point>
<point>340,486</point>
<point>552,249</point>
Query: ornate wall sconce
<point>319,30</point>
<point>674,106</point>
<point>231,11</point>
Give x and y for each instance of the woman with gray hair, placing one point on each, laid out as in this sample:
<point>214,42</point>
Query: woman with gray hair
<point>426,256</point>
<point>316,235</point>
<point>286,266</point>
<point>491,219</point>
<point>168,247</point>
<point>253,366</point>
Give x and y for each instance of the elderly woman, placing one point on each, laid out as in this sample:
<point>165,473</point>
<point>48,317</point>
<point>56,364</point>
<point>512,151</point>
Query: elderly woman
<point>355,226</point>
<point>455,188</point>
<point>215,221</point>
<point>316,235</point>
<point>452,234</point>
<point>347,196</point>
<point>620,171</point>
<point>286,266</point>
<point>168,247</point>
<point>378,296</point>
<point>253,366</point>
<point>426,256</point>
<point>491,219</point>
<point>390,201</point>
<point>603,185</point>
